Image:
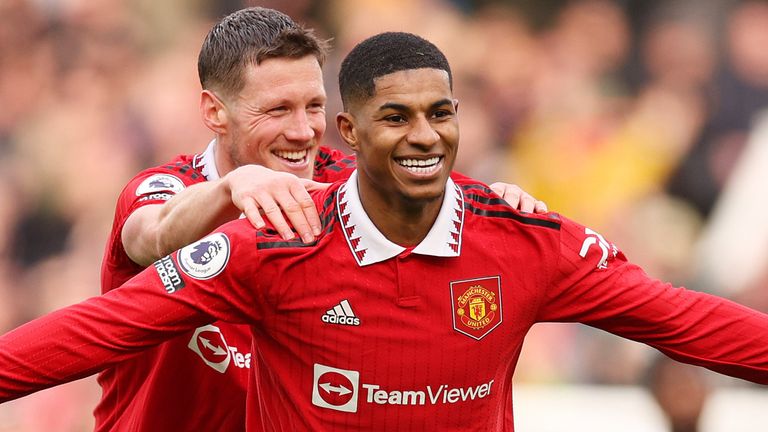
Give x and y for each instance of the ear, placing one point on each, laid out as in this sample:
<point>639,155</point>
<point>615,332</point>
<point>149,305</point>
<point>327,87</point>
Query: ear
<point>345,123</point>
<point>456,105</point>
<point>214,112</point>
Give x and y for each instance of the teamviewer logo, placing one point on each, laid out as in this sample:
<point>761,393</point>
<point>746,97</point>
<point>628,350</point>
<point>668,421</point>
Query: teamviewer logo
<point>335,389</point>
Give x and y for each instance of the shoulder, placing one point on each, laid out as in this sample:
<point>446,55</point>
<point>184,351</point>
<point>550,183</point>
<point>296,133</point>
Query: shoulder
<point>581,242</point>
<point>267,238</point>
<point>332,164</point>
<point>482,202</point>
<point>183,167</point>
<point>173,175</point>
<point>163,181</point>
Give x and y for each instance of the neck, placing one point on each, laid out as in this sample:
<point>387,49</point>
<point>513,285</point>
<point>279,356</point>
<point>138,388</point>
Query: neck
<point>224,163</point>
<point>404,221</point>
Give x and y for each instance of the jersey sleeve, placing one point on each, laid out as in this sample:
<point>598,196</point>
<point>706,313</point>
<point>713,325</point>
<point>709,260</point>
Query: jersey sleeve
<point>155,186</point>
<point>207,280</point>
<point>594,284</point>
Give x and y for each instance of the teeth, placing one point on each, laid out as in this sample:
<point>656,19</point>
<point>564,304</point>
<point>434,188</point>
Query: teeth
<point>294,156</point>
<point>420,166</point>
<point>408,163</point>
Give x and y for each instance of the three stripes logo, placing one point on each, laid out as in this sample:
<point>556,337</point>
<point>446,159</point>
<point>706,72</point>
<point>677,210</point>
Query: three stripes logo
<point>341,314</point>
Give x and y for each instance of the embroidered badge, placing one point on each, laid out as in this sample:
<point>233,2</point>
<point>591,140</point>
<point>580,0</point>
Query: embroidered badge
<point>160,182</point>
<point>476,306</point>
<point>205,258</point>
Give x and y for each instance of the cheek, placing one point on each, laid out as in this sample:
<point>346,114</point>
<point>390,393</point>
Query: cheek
<point>261,136</point>
<point>318,123</point>
<point>450,135</point>
<point>378,156</point>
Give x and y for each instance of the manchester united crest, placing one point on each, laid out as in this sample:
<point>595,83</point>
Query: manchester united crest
<point>476,306</point>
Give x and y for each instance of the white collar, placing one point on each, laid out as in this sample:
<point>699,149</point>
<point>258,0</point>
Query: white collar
<point>206,162</point>
<point>369,246</point>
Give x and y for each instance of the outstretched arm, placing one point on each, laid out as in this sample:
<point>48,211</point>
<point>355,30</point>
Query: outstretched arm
<point>593,283</point>
<point>156,305</point>
<point>83,339</point>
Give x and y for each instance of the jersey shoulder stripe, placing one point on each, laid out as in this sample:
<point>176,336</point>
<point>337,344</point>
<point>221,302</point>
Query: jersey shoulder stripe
<point>482,201</point>
<point>185,169</point>
<point>343,164</point>
<point>335,160</point>
<point>325,157</point>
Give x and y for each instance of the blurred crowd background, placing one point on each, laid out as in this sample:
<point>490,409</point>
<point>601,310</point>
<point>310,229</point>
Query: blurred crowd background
<point>642,119</point>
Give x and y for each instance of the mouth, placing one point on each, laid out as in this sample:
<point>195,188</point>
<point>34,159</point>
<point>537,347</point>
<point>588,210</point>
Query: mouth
<point>292,156</point>
<point>421,167</point>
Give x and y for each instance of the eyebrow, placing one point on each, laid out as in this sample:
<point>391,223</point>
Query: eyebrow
<point>401,107</point>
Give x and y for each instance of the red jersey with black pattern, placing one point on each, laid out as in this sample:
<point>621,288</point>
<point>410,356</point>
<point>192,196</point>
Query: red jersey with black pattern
<point>196,381</point>
<point>356,333</point>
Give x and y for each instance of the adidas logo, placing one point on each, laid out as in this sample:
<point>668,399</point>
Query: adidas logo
<point>341,314</point>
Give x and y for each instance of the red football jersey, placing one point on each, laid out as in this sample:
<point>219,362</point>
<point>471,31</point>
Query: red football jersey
<point>354,332</point>
<point>196,381</point>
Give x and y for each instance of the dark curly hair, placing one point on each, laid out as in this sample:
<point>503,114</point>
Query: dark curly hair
<point>384,54</point>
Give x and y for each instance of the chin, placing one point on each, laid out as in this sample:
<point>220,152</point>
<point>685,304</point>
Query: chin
<point>425,194</point>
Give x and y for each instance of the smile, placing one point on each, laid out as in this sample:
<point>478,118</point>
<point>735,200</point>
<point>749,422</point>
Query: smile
<point>291,156</point>
<point>420,166</point>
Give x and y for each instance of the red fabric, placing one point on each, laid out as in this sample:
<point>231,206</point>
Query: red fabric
<point>170,387</point>
<point>409,364</point>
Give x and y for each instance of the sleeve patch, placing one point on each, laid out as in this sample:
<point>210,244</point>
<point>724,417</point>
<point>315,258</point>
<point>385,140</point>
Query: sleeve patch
<point>160,182</point>
<point>205,258</point>
<point>169,274</point>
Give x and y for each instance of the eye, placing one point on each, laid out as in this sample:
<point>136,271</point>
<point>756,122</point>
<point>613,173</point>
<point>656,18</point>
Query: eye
<point>395,118</point>
<point>316,107</point>
<point>278,110</point>
<point>442,113</point>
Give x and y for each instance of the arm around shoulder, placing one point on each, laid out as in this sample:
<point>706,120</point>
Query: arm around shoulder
<point>155,230</point>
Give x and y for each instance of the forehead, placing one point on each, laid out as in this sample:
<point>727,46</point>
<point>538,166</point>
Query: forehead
<point>283,76</point>
<point>412,86</point>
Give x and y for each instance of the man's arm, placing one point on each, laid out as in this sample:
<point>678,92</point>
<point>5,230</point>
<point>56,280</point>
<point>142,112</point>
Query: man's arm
<point>159,303</point>
<point>154,230</point>
<point>83,339</point>
<point>593,283</point>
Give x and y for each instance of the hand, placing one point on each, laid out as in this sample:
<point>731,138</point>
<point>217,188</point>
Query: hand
<point>256,190</point>
<point>518,198</point>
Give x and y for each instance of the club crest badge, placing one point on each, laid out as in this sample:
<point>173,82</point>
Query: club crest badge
<point>476,306</point>
<point>205,258</point>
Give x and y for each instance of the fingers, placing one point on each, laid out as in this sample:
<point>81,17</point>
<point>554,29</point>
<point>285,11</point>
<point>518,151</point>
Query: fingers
<point>527,203</point>
<point>518,198</point>
<point>281,198</point>
<point>311,185</point>
<point>251,211</point>
<point>271,210</point>
<point>284,210</point>
<point>512,194</point>
<point>305,214</point>
<point>285,203</point>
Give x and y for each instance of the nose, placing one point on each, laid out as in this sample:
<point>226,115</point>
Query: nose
<point>300,128</point>
<point>421,132</point>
